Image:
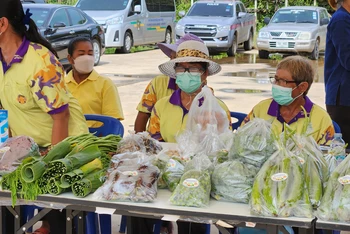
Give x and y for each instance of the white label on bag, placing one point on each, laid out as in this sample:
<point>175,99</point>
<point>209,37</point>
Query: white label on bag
<point>130,173</point>
<point>191,183</point>
<point>301,160</point>
<point>171,163</point>
<point>279,177</point>
<point>4,149</point>
<point>250,224</point>
<point>344,179</point>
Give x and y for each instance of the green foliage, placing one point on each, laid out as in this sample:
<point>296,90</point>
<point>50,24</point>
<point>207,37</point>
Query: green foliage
<point>65,2</point>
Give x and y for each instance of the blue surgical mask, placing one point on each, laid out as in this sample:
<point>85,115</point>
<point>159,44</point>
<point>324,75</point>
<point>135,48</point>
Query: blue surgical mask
<point>188,82</point>
<point>283,95</point>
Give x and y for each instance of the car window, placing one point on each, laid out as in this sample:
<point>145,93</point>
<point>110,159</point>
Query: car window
<point>76,17</point>
<point>323,14</point>
<point>60,16</point>
<point>40,16</point>
<point>152,5</point>
<point>211,9</point>
<point>295,16</point>
<point>167,5</point>
<point>238,9</point>
<point>102,5</point>
<point>242,7</point>
<point>132,6</point>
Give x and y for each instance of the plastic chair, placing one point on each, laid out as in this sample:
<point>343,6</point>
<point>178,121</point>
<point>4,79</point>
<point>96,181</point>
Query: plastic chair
<point>239,116</point>
<point>336,127</point>
<point>110,126</point>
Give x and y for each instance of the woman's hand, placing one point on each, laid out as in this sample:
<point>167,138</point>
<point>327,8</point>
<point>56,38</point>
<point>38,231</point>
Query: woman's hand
<point>60,126</point>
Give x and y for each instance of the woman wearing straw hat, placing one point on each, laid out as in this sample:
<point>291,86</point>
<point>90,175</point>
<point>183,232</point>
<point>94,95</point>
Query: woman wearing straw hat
<point>191,67</point>
<point>160,86</point>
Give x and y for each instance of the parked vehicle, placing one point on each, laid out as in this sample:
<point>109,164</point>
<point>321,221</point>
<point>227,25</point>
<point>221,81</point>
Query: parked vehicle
<point>34,1</point>
<point>59,24</point>
<point>298,29</point>
<point>129,23</point>
<point>222,25</point>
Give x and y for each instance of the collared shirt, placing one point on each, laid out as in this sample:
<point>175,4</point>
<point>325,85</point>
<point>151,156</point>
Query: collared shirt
<point>320,121</point>
<point>159,87</point>
<point>169,117</point>
<point>337,59</point>
<point>96,95</point>
<point>31,88</point>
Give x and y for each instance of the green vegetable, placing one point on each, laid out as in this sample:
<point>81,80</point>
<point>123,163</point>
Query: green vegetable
<point>172,174</point>
<point>54,187</point>
<point>193,189</point>
<point>89,184</point>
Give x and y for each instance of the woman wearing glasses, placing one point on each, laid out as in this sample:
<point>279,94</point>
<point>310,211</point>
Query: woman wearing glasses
<point>290,86</point>
<point>191,67</point>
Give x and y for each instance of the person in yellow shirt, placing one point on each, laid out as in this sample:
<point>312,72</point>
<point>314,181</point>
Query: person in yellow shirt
<point>160,86</point>
<point>95,93</point>
<point>293,79</point>
<point>32,88</point>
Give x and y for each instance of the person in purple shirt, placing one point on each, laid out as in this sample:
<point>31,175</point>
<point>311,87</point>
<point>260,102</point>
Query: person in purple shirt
<point>337,66</point>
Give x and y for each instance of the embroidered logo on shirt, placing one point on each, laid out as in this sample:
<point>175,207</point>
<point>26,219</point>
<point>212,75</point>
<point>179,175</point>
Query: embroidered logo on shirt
<point>17,57</point>
<point>21,99</point>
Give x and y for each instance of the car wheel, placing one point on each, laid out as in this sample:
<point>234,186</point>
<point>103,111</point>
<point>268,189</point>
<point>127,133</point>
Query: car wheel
<point>97,51</point>
<point>316,52</point>
<point>168,38</point>
<point>248,45</point>
<point>128,43</point>
<point>233,49</point>
<point>263,54</point>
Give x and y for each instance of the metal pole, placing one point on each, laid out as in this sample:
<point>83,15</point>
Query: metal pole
<point>255,8</point>
<point>191,2</point>
<point>286,3</point>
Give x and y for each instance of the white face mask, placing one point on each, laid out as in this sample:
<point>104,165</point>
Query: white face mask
<point>84,64</point>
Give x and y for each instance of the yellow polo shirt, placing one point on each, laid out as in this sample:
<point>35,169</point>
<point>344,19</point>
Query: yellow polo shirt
<point>31,89</point>
<point>169,118</point>
<point>159,87</point>
<point>96,95</point>
<point>319,119</point>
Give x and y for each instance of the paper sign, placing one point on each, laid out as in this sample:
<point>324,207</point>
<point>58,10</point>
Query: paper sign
<point>250,224</point>
<point>171,218</point>
<point>101,210</point>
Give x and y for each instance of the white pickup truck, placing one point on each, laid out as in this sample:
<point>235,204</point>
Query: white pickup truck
<point>222,25</point>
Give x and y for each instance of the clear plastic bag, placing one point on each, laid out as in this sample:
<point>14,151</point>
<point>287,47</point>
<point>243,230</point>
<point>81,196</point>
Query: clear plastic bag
<point>141,141</point>
<point>335,204</point>
<point>232,181</point>
<point>315,167</point>
<point>253,143</point>
<point>279,189</point>
<point>206,122</point>
<point>15,149</point>
<point>331,162</point>
<point>131,179</point>
<point>195,184</point>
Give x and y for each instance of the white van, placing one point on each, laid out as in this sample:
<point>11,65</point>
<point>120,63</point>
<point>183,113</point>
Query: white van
<point>129,23</point>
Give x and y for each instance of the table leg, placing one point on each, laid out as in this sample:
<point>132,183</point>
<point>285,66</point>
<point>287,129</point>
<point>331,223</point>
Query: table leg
<point>128,225</point>
<point>33,220</point>
<point>81,222</point>
<point>222,230</point>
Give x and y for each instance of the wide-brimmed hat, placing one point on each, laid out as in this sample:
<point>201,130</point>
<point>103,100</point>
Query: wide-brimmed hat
<point>168,48</point>
<point>190,52</point>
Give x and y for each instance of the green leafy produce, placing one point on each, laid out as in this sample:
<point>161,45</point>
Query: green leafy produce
<point>172,174</point>
<point>193,189</point>
<point>89,184</point>
<point>54,187</point>
<point>335,203</point>
<point>232,181</point>
<point>279,188</point>
<point>253,143</point>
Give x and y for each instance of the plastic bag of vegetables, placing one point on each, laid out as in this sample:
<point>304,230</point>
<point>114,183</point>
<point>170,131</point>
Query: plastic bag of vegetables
<point>141,141</point>
<point>232,181</point>
<point>206,122</point>
<point>131,180</point>
<point>315,167</point>
<point>335,204</point>
<point>194,187</point>
<point>253,143</point>
<point>279,188</point>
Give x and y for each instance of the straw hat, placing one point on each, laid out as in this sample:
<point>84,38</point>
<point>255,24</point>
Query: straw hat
<point>168,48</point>
<point>190,52</point>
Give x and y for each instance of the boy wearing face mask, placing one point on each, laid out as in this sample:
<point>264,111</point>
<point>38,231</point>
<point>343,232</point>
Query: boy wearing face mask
<point>290,86</point>
<point>96,94</point>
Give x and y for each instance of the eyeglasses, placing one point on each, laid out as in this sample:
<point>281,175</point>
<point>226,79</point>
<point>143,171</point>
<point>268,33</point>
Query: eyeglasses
<point>191,70</point>
<point>280,81</point>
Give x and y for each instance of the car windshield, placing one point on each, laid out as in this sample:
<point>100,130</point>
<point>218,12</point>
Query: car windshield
<point>295,16</point>
<point>212,9</point>
<point>102,5</point>
<point>39,16</point>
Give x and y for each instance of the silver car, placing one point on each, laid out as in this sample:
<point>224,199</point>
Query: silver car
<point>298,29</point>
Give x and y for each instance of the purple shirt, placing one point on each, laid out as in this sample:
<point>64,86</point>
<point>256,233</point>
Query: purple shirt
<point>274,110</point>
